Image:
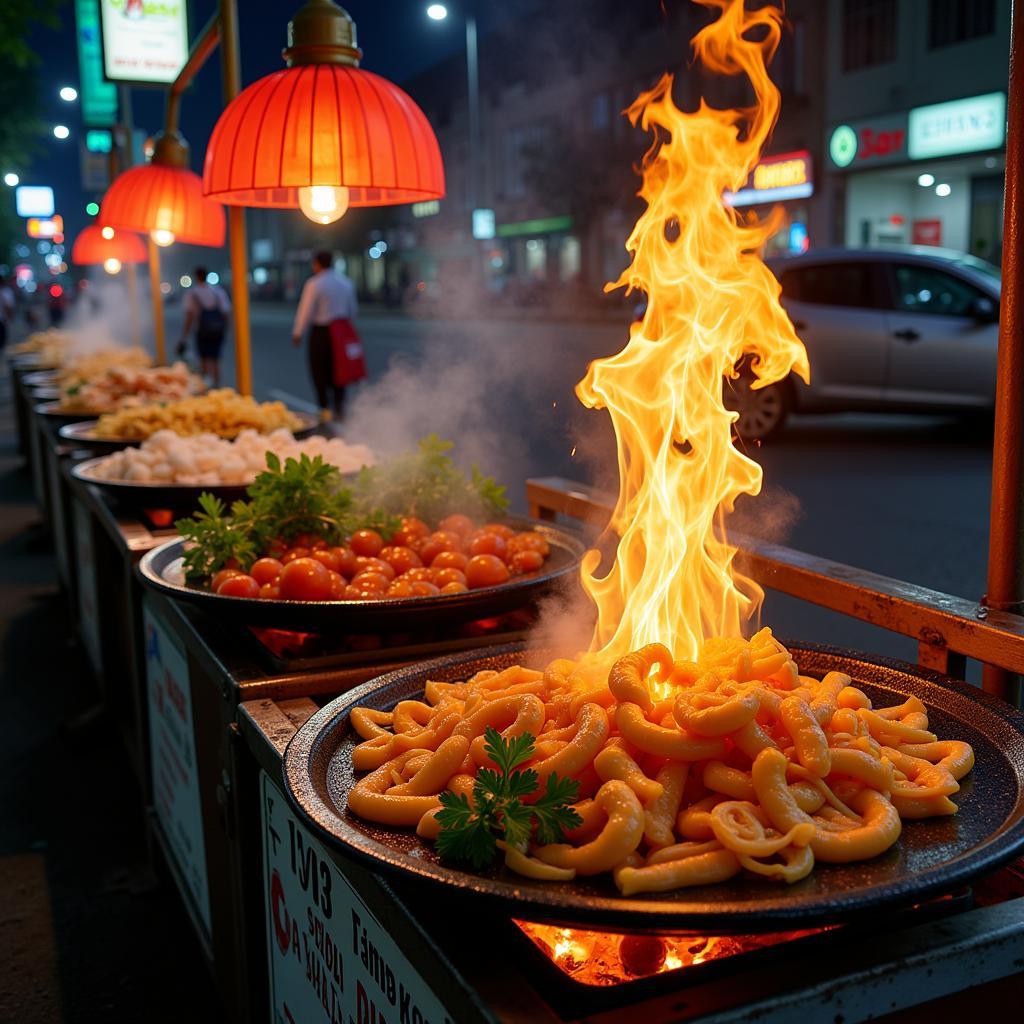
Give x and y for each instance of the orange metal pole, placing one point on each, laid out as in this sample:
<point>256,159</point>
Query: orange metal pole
<point>159,332</point>
<point>1006,542</point>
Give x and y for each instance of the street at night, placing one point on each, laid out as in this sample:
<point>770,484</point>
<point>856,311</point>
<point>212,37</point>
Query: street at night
<point>511,513</point>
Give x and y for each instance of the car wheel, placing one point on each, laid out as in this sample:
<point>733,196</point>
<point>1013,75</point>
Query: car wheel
<point>762,411</point>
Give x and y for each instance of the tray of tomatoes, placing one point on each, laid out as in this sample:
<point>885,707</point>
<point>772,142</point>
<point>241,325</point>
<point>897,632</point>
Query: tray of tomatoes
<point>455,570</point>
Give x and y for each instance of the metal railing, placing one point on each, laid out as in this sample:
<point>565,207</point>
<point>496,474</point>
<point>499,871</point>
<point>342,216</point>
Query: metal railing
<point>948,629</point>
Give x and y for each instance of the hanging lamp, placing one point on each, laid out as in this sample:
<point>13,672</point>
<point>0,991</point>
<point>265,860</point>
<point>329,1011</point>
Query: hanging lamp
<point>164,199</point>
<point>322,135</point>
<point>107,246</point>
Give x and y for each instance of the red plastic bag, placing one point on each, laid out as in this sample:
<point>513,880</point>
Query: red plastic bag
<point>347,349</point>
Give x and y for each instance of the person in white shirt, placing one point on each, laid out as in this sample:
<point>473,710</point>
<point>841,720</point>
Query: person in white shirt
<point>326,297</point>
<point>206,306</point>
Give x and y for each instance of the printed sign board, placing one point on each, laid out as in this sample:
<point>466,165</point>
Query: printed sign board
<point>776,179</point>
<point>144,41</point>
<point>330,959</point>
<point>173,764</point>
<point>960,126</point>
<point>99,97</point>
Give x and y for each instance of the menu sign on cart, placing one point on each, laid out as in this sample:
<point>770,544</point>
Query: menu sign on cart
<point>88,620</point>
<point>173,760</point>
<point>330,959</point>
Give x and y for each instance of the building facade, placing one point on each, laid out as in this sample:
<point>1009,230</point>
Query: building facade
<point>915,98</point>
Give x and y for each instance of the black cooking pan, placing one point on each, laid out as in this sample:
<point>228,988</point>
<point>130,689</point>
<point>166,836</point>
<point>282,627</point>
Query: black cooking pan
<point>932,856</point>
<point>162,570</point>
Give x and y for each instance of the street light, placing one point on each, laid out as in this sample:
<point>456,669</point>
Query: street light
<point>438,12</point>
<point>61,131</point>
<point>68,94</point>
<point>11,179</point>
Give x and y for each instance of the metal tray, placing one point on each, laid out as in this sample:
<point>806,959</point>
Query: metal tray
<point>183,497</point>
<point>161,569</point>
<point>53,411</point>
<point>45,393</point>
<point>41,379</point>
<point>932,857</point>
<point>83,433</point>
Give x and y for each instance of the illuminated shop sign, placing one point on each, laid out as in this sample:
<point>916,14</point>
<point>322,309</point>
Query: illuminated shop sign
<point>880,140</point>
<point>776,179</point>
<point>144,41</point>
<point>960,126</point>
<point>34,200</point>
<point>50,227</point>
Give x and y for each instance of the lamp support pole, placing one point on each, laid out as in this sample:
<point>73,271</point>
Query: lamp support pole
<point>1006,529</point>
<point>231,66</point>
<point>222,29</point>
<point>473,84</point>
<point>159,331</point>
<point>128,129</point>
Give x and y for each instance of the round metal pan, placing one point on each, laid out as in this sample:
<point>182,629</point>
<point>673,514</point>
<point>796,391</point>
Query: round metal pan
<point>45,392</point>
<point>183,497</point>
<point>26,362</point>
<point>932,856</point>
<point>41,379</point>
<point>53,411</point>
<point>161,569</point>
<point>83,433</point>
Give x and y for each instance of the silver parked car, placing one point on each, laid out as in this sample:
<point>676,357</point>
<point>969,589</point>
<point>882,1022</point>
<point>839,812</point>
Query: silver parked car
<point>900,329</point>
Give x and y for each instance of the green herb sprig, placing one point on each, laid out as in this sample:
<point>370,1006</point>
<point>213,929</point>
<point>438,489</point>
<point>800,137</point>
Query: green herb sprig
<point>470,831</point>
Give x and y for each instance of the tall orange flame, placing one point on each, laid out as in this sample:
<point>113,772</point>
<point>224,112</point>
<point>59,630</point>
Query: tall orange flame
<point>711,302</point>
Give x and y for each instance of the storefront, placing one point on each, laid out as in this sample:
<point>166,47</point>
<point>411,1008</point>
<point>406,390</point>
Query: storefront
<point>932,175</point>
<point>785,179</point>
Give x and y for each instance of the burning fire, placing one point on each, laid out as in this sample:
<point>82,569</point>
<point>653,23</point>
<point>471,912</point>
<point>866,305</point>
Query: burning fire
<point>712,303</point>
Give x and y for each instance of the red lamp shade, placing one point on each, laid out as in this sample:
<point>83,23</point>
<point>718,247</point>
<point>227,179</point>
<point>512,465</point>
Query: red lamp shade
<point>155,197</point>
<point>328,125</point>
<point>91,247</point>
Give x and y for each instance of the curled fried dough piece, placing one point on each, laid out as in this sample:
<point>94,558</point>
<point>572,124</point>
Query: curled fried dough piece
<point>620,836</point>
<point>627,680</point>
<point>678,744</point>
<point>660,814</point>
<point>614,763</point>
<point>680,851</point>
<point>370,799</point>
<point>954,755</point>
<point>826,695</point>
<point>797,863</point>
<point>879,827</point>
<point>808,737</point>
<point>530,867</point>
<point>368,722</point>
<point>433,775</point>
<point>715,714</point>
<point>579,753</point>
<point>703,869</point>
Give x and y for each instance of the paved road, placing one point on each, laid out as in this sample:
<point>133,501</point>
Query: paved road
<point>904,496</point>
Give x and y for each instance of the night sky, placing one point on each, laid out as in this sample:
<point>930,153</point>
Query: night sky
<point>397,39</point>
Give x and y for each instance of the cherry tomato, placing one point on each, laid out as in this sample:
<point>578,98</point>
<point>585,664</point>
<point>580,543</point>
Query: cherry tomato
<point>270,591</point>
<point>367,543</point>
<point>292,553</point>
<point>421,588</point>
<point>419,574</point>
<point>438,542</point>
<point>454,588</point>
<point>371,581</point>
<point>486,571</point>
<point>305,579</point>
<point>528,541</point>
<point>318,544</point>
<point>401,559</point>
<point>375,565</point>
<point>265,570</point>
<point>450,560</point>
<point>161,518</point>
<point>457,523</point>
<point>338,586</point>
<point>239,585</point>
<point>346,561</point>
<point>444,576</point>
<point>410,530</point>
<point>527,561</point>
<point>484,543</point>
<point>400,588</point>
<point>326,556</point>
<point>503,531</point>
<point>358,593</point>
<point>221,577</point>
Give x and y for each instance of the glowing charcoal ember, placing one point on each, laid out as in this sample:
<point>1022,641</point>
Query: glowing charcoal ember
<point>711,302</point>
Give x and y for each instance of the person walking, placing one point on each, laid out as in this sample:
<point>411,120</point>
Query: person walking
<point>206,306</point>
<point>327,308</point>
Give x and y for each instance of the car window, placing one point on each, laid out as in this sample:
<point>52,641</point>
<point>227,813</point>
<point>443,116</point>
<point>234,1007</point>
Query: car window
<point>920,289</point>
<point>831,284</point>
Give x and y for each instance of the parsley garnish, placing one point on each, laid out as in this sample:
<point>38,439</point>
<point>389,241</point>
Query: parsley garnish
<point>470,831</point>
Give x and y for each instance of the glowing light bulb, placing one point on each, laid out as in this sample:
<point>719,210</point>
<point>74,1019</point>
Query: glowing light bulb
<point>323,204</point>
<point>111,265</point>
<point>162,237</point>
<point>107,233</point>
